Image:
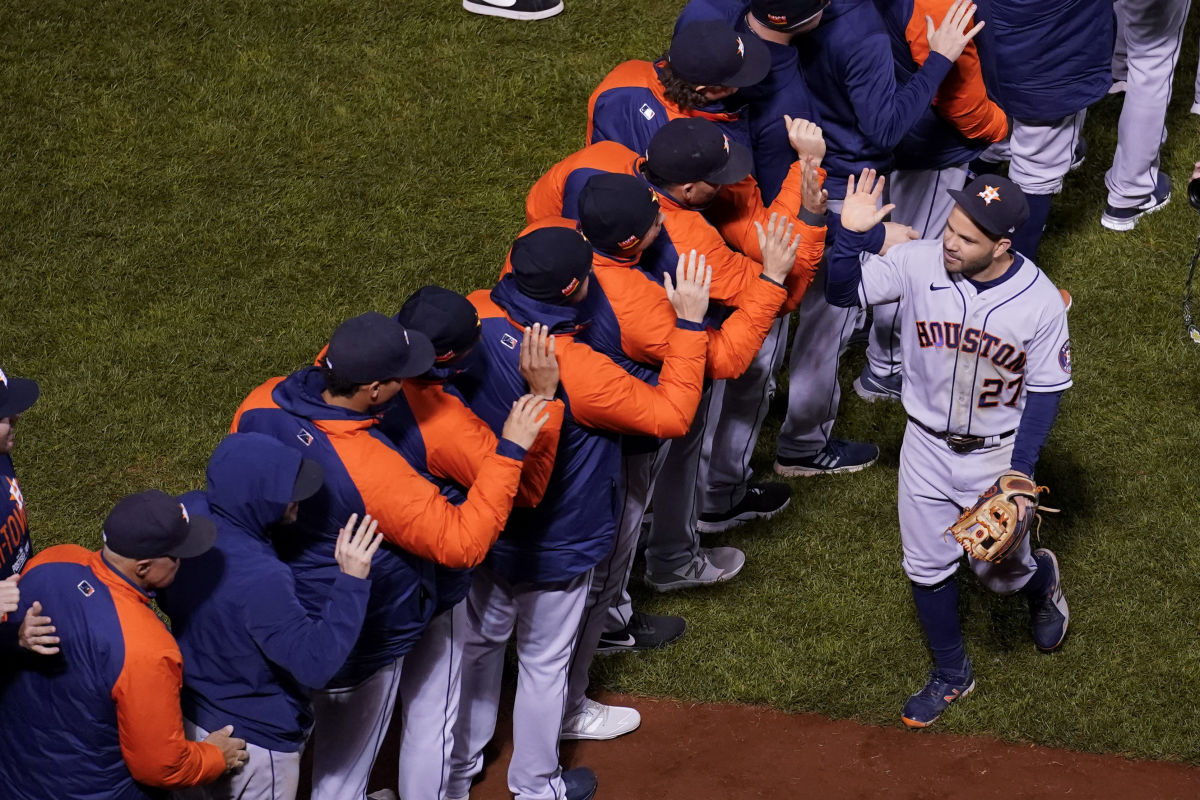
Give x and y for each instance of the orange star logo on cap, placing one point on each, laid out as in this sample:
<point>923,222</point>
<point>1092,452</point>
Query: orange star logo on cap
<point>989,194</point>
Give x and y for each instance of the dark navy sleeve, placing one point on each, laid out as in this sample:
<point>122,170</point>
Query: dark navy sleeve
<point>885,120</point>
<point>1041,409</point>
<point>844,269</point>
<point>510,449</point>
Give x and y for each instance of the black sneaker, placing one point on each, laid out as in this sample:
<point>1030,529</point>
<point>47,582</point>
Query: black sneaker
<point>1049,615</point>
<point>515,9</point>
<point>644,632</point>
<point>1124,219</point>
<point>762,501</point>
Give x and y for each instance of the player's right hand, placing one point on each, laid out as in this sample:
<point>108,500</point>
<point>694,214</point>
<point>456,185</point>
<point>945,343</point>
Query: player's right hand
<point>689,293</point>
<point>813,195</point>
<point>37,632</point>
<point>538,365</point>
<point>778,247</point>
<point>527,417</point>
<point>10,595</point>
<point>860,210</point>
<point>355,548</point>
<point>233,749</point>
<point>806,138</point>
<point>895,233</point>
<point>951,38</point>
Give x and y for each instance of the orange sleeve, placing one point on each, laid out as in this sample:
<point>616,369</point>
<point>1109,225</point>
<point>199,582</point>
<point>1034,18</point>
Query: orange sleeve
<point>149,721</point>
<point>732,347</point>
<point>545,199</point>
<point>731,271</point>
<point>413,514</point>
<point>962,97</point>
<point>603,395</point>
<point>259,398</point>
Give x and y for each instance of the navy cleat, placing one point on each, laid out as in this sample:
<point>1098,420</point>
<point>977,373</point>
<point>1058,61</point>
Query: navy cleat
<point>580,783</point>
<point>942,689</point>
<point>871,387</point>
<point>838,456</point>
<point>762,501</point>
<point>1048,613</point>
<point>1124,219</point>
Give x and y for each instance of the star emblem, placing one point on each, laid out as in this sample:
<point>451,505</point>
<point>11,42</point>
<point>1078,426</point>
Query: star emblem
<point>989,194</point>
<point>14,493</point>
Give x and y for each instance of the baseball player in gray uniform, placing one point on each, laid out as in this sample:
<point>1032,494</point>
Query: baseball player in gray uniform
<point>986,357</point>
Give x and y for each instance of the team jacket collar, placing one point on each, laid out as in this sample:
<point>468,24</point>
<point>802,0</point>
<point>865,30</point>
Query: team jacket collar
<point>523,310</point>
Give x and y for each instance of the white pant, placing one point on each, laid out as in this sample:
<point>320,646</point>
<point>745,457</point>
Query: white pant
<point>1041,152</point>
<point>429,693</point>
<point>673,541</point>
<point>546,618</point>
<point>1152,32</point>
<point>350,726</point>
<point>638,474</point>
<point>936,484</point>
<point>267,775</point>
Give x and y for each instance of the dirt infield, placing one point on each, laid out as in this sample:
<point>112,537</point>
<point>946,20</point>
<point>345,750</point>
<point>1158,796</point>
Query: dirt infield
<point>727,752</point>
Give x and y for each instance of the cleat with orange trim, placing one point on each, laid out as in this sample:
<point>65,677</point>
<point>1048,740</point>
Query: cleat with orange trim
<point>942,689</point>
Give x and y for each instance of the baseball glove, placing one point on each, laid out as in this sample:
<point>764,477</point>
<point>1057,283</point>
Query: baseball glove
<point>992,528</point>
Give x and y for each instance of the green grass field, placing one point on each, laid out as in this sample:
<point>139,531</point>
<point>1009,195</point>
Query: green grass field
<point>194,194</point>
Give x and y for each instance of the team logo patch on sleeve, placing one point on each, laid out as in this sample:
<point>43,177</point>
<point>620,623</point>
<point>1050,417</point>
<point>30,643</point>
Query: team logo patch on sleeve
<point>85,588</point>
<point>508,341</point>
<point>1064,357</point>
<point>305,437</point>
<point>647,111</point>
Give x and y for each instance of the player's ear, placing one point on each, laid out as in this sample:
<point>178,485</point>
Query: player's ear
<point>1001,246</point>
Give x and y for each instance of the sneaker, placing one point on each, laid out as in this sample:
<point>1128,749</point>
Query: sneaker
<point>580,783</point>
<point>1049,614</point>
<point>1124,219</point>
<point>1080,154</point>
<point>762,501</point>
<point>383,794</point>
<point>515,9</point>
<point>942,689</point>
<point>644,632</point>
<point>712,565</point>
<point>871,387</point>
<point>1118,87</point>
<point>598,722</point>
<point>838,456</point>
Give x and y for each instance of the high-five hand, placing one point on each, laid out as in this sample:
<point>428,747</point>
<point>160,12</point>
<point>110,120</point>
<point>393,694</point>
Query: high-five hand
<point>689,293</point>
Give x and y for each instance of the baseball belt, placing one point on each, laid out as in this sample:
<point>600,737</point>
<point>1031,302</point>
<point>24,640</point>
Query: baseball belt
<point>961,442</point>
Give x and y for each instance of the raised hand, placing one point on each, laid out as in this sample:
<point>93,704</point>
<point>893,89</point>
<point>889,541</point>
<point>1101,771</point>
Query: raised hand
<point>538,365</point>
<point>233,749</point>
<point>951,38</point>
<point>10,595</point>
<point>527,417</point>
<point>806,138</point>
<point>689,293</point>
<point>812,195</point>
<point>355,548</point>
<point>778,247</point>
<point>37,632</point>
<point>860,211</point>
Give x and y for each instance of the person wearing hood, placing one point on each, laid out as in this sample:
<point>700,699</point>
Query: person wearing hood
<point>536,578</point>
<point>330,413</point>
<point>252,652</point>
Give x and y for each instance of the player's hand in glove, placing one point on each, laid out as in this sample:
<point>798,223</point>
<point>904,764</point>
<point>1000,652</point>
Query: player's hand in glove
<point>1000,521</point>
<point>527,417</point>
<point>951,38</point>
<point>860,210</point>
<point>814,198</point>
<point>689,293</point>
<point>895,233</point>
<point>355,548</point>
<point>539,367</point>
<point>778,247</point>
<point>37,632</point>
<point>233,749</point>
<point>806,138</point>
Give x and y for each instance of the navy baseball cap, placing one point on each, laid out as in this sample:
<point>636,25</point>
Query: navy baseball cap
<point>694,149</point>
<point>16,395</point>
<point>616,211</point>
<point>713,54</point>
<point>786,15</point>
<point>996,204</point>
<point>550,264</point>
<point>446,317</point>
<point>152,524</point>
<point>372,347</point>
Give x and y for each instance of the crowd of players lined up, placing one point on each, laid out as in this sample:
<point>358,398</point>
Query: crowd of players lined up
<point>378,525</point>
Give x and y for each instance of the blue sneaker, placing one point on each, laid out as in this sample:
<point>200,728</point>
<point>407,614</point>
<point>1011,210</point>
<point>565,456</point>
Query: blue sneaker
<point>871,387</point>
<point>1124,219</point>
<point>1049,614</point>
<point>942,689</point>
<point>838,456</point>
<point>580,783</point>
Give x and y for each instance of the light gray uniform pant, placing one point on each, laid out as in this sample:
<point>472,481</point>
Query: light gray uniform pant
<point>673,542</point>
<point>1152,31</point>
<point>546,619</point>
<point>349,730</point>
<point>267,775</point>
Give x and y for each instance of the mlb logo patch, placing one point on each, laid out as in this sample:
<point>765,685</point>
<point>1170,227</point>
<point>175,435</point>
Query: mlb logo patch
<point>647,111</point>
<point>85,588</point>
<point>508,341</point>
<point>305,437</point>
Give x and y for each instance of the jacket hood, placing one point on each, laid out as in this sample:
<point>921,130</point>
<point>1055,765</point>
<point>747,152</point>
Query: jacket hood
<point>300,394</point>
<point>524,310</point>
<point>251,477</point>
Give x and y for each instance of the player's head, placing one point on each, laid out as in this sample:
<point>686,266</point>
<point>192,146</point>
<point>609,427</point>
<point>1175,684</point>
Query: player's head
<point>147,533</point>
<point>447,318</point>
<point>691,160</point>
<point>708,61</point>
<point>552,265</point>
<point>788,16</point>
<point>16,396</point>
<point>619,214</point>
<point>980,228</point>
<point>369,355</point>
<point>256,481</point>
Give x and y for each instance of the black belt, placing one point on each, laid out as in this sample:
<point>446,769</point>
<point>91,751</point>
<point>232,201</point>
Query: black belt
<point>961,442</point>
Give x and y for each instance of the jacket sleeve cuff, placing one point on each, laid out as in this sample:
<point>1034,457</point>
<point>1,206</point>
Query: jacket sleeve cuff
<point>810,218</point>
<point>771,280</point>
<point>510,449</point>
<point>688,325</point>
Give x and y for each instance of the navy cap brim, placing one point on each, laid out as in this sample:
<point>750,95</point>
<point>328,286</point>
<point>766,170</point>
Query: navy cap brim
<point>309,480</point>
<point>756,63</point>
<point>965,201</point>
<point>22,393</point>
<point>420,355</point>
<point>202,533</point>
<point>737,168</point>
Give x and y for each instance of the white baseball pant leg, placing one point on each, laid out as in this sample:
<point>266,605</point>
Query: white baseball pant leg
<point>429,691</point>
<point>546,618</point>
<point>1153,36</point>
<point>349,730</point>
<point>1042,152</point>
<point>936,484</point>
<point>735,418</point>
<point>673,541</point>
<point>266,775</point>
<point>636,482</point>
